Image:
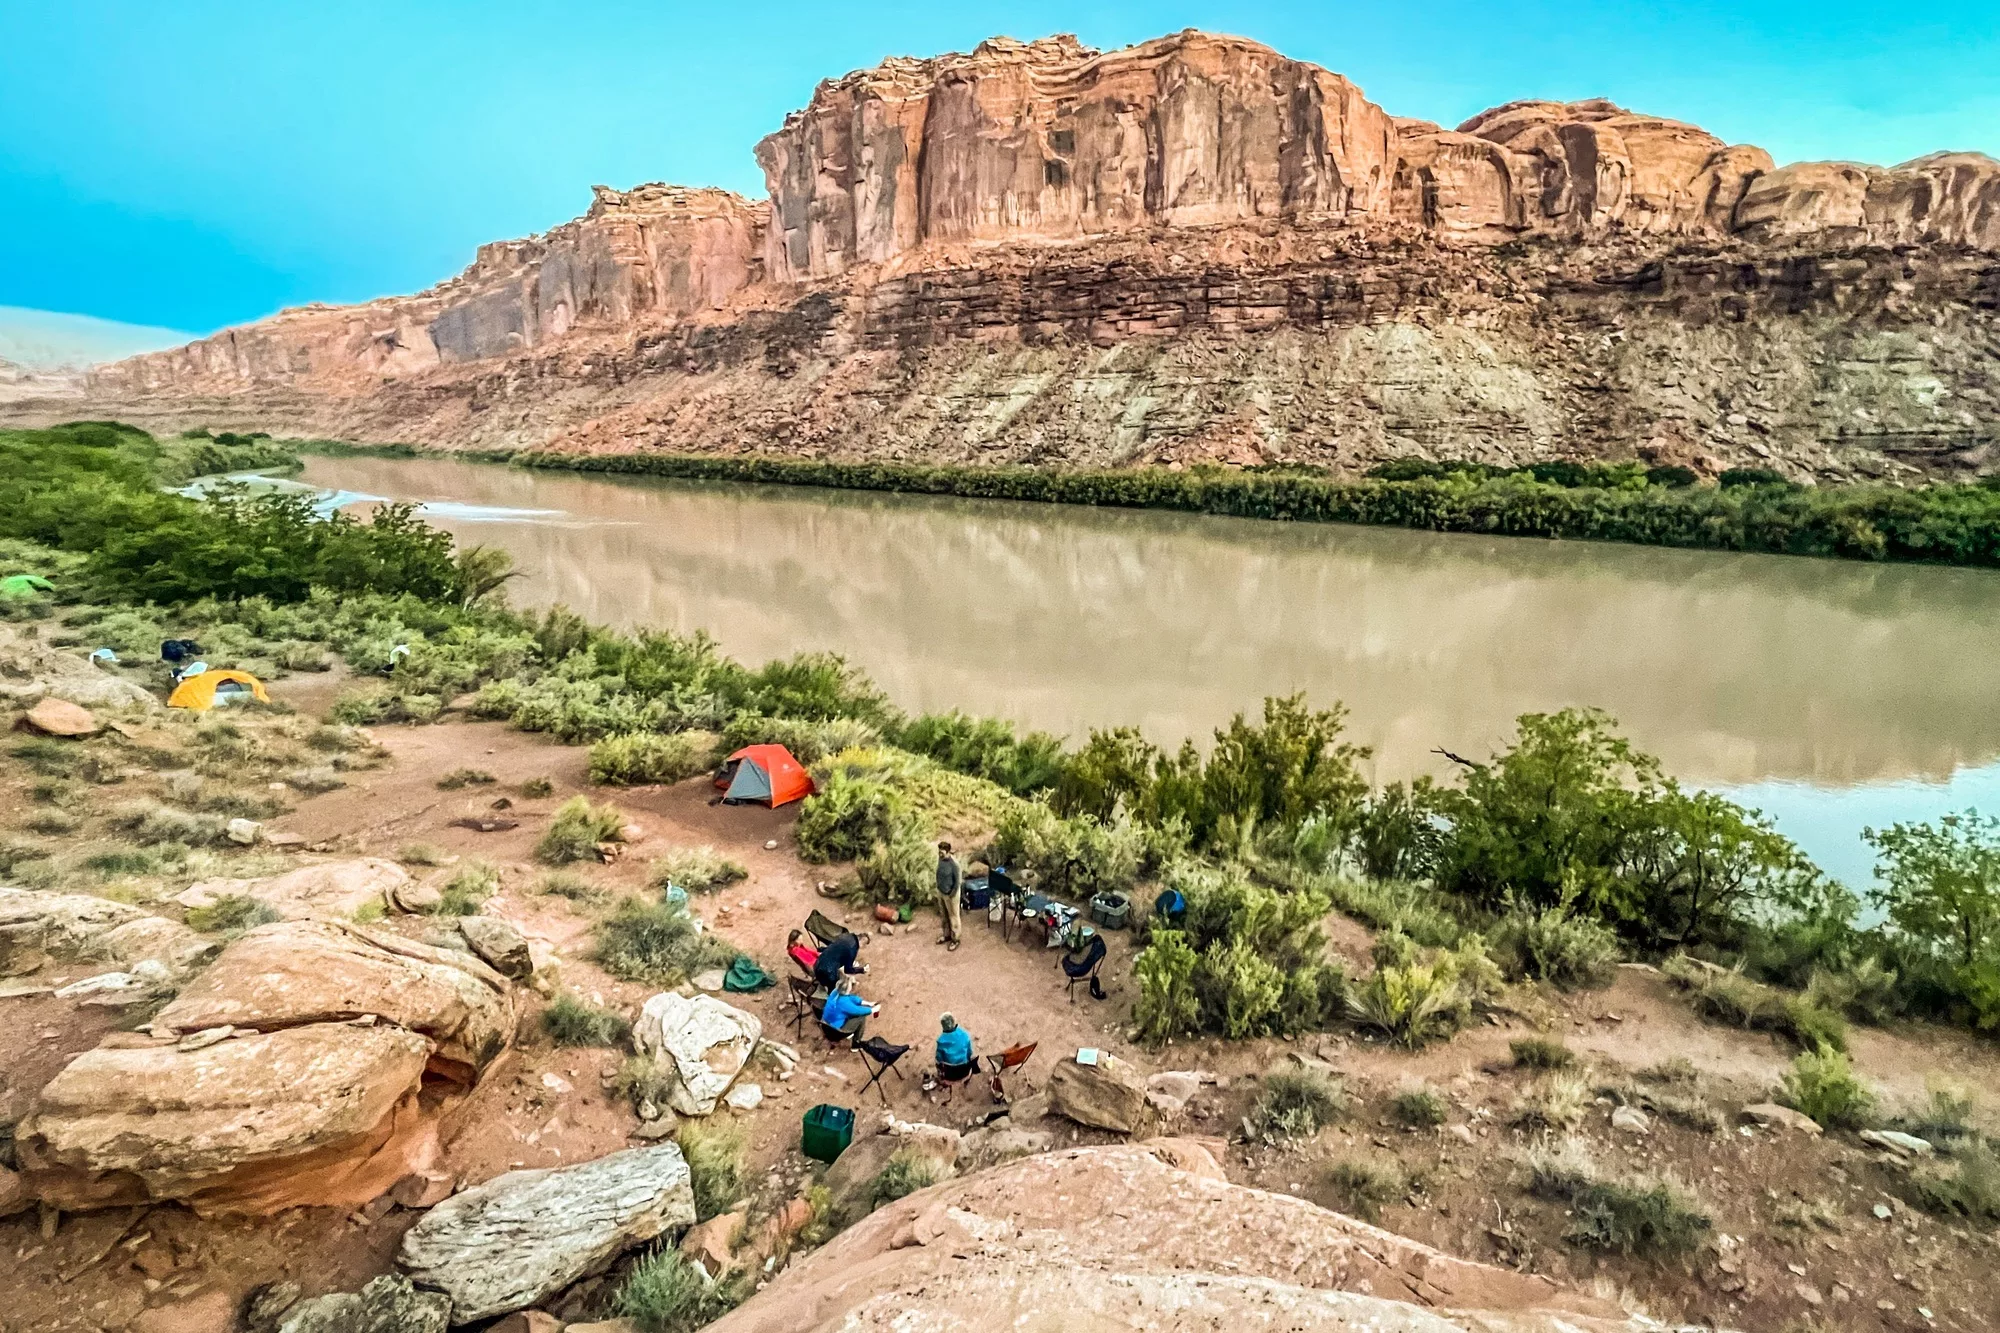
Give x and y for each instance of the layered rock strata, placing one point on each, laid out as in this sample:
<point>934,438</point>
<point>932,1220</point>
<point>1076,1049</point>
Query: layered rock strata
<point>1191,248</point>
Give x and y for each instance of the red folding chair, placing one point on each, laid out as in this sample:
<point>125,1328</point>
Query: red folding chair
<point>1010,1059</point>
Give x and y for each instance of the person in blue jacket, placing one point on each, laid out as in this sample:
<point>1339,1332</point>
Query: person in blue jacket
<point>845,1012</point>
<point>954,1044</point>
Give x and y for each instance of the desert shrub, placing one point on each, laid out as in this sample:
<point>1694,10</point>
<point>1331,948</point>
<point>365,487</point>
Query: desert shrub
<point>1968,1188</point>
<point>903,1174</point>
<point>645,1082</point>
<point>666,1292</point>
<point>423,854</point>
<point>1945,1117</point>
<point>1400,834</point>
<point>1420,914</point>
<point>1822,1084</point>
<point>150,823</point>
<point>1412,1006</point>
<point>1420,1107</point>
<point>52,823</point>
<point>1731,997</point>
<point>1540,1053</point>
<point>1865,992</point>
<point>1555,946</point>
<point>577,829</point>
<point>570,1022</point>
<point>1167,1006</point>
<point>657,944</point>
<point>1676,1070</point>
<point>1361,1186</point>
<point>1646,1216</point>
<point>846,817</point>
<point>987,748</point>
<point>1297,1103</point>
<point>571,885</point>
<point>1557,1100</point>
<point>232,914</point>
<point>314,781</point>
<point>646,757</point>
<point>1684,1109</point>
<point>824,1224</point>
<point>810,742</point>
<point>901,868</point>
<point>536,788</point>
<point>1071,858</point>
<point>716,1165</point>
<point>465,777</point>
<point>469,886</point>
<point>696,869</point>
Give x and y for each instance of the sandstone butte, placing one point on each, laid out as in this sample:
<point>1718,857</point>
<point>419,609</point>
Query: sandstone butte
<point>1193,248</point>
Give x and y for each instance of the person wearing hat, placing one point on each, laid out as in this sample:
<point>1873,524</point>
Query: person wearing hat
<point>949,877</point>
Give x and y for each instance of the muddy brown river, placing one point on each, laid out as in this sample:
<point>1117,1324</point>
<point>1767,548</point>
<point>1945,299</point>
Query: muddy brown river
<point>1832,695</point>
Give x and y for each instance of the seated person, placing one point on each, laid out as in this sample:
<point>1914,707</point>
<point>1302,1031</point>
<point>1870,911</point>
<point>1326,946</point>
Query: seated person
<point>845,1012</point>
<point>954,1047</point>
<point>841,957</point>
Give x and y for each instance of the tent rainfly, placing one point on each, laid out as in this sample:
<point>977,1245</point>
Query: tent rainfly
<point>204,691</point>
<point>763,775</point>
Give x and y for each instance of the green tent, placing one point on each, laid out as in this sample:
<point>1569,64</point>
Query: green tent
<point>24,585</point>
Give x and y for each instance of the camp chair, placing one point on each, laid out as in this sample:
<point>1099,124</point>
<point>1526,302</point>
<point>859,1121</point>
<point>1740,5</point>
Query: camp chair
<point>824,928</point>
<point>806,999</point>
<point>951,1077</point>
<point>1082,963</point>
<point>800,952</point>
<point>835,1039</point>
<point>878,1057</point>
<point>1011,1058</point>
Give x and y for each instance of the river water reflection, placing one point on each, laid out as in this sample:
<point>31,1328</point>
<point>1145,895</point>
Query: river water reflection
<point>1832,694</point>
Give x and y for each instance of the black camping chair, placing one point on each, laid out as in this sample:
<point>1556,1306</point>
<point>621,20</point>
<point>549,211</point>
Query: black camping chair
<point>824,928</point>
<point>878,1057</point>
<point>952,1077</point>
<point>1082,964</point>
<point>806,998</point>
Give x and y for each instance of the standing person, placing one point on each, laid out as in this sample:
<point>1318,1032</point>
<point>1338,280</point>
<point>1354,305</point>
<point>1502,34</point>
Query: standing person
<point>949,877</point>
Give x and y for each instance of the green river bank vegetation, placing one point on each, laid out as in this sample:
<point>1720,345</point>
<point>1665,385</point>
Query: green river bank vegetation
<point>1550,860</point>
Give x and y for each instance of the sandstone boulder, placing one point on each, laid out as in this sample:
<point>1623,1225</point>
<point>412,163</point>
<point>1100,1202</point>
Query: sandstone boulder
<point>418,897</point>
<point>323,1114</point>
<point>708,1042</point>
<point>991,1145</point>
<point>1131,1237</point>
<point>14,1196</point>
<point>847,1181</point>
<point>505,1245</point>
<point>712,1244</point>
<point>331,888</point>
<point>1110,1094</point>
<point>1169,1093</point>
<point>30,671</point>
<point>1773,1116</point>
<point>292,973</point>
<point>499,944</point>
<point>59,717</point>
<point>389,1304</point>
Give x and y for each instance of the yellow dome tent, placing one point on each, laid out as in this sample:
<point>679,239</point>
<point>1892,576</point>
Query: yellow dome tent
<point>206,690</point>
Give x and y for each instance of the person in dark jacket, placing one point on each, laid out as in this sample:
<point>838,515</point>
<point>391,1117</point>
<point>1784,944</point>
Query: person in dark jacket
<point>949,878</point>
<point>841,957</point>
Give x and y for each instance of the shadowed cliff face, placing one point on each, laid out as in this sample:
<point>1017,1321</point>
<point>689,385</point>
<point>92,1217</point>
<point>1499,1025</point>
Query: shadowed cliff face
<point>1189,249</point>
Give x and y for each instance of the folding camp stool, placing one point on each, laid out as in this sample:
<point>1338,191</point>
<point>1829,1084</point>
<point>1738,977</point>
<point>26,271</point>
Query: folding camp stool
<point>878,1057</point>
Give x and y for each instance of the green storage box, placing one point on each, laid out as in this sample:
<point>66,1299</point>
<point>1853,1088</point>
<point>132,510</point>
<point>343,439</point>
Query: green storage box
<point>828,1131</point>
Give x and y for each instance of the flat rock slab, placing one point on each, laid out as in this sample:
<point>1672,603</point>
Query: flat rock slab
<point>499,945</point>
<point>331,888</point>
<point>74,927</point>
<point>292,973</point>
<point>252,1124</point>
<point>60,717</point>
<point>504,1245</point>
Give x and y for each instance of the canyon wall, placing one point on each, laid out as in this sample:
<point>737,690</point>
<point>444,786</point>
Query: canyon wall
<point>1194,247</point>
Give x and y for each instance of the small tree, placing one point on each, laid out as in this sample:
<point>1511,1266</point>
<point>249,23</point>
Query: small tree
<point>1690,863</point>
<point>1941,885</point>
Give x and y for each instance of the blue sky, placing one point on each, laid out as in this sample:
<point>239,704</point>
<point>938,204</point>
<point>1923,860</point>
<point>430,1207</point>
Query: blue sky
<point>198,163</point>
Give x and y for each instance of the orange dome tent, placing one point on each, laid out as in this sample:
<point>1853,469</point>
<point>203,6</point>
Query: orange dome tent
<point>203,692</point>
<point>764,774</point>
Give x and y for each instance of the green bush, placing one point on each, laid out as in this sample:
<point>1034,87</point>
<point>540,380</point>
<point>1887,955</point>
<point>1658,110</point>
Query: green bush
<point>1731,997</point>
<point>577,829</point>
<point>571,885</point>
<point>1557,1100</point>
<point>666,1292</point>
<point>986,748</point>
<point>716,1165</point>
<point>1822,1084</point>
<point>646,1082</point>
<point>1167,1006</point>
<point>1361,1186</point>
<point>469,886</point>
<point>904,1174</point>
<point>1420,1107</point>
<point>232,914</point>
<point>1412,1006</point>
<point>1653,1217</point>
<point>1968,1188</point>
<point>570,1022</point>
<point>1555,946</point>
<point>845,817</point>
<point>809,742</point>
<point>1297,1104</point>
<point>649,757</point>
<point>1541,1053</point>
<point>657,944</point>
<point>696,869</point>
<point>901,869</point>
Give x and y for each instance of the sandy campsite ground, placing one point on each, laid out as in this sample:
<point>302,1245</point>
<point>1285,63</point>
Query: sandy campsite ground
<point>545,1106</point>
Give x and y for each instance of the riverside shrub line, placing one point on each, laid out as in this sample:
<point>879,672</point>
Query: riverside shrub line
<point>1943,524</point>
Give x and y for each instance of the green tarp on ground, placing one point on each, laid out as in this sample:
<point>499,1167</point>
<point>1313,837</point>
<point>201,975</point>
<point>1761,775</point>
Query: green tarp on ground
<point>744,976</point>
<point>24,585</point>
